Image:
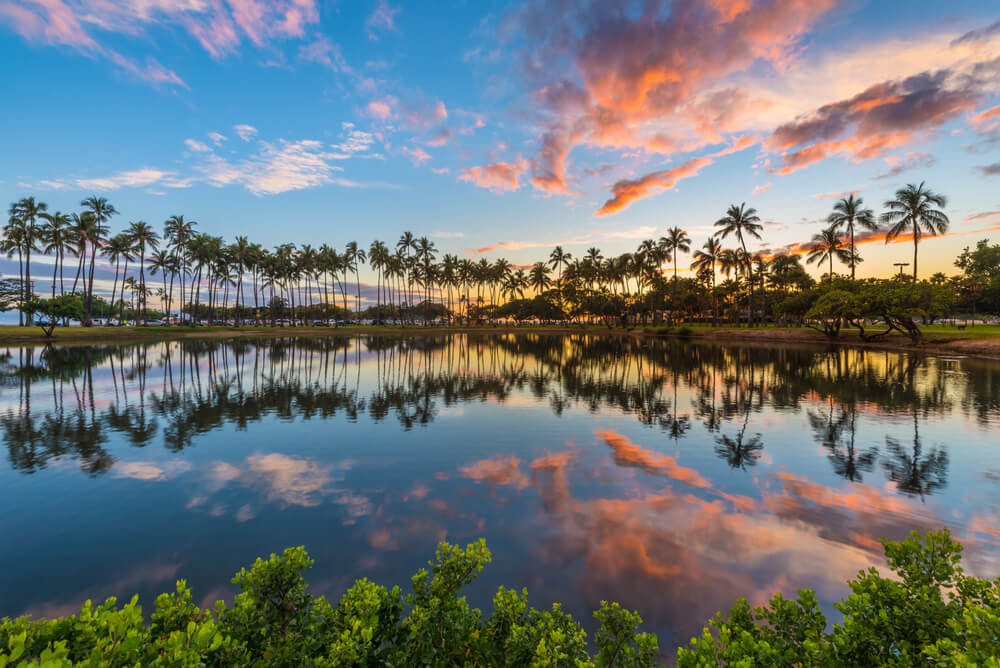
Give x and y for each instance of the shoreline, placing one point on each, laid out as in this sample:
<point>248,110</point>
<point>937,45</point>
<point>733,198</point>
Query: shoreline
<point>967,343</point>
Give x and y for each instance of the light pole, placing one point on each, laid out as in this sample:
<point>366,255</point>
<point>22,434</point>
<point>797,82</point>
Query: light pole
<point>901,265</point>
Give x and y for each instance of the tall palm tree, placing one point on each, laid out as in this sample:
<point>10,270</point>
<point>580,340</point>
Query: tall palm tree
<point>557,260</point>
<point>28,211</point>
<point>848,212</point>
<point>706,260</point>
<point>913,210</point>
<point>101,211</point>
<point>57,236</point>
<point>240,252</point>
<point>178,233</point>
<point>742,222</point>
<point>143,236</point>
<point>14,235</point>
<point>119,247</point>
<point>825,246</point>
<point>164,262</point>
<point>676,241</point>
<point>407,242</point>
<point>356,256</point>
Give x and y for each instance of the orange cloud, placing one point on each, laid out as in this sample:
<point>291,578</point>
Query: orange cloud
<point>499,470</point>
<point>627,453</point>
<point>627,191</point>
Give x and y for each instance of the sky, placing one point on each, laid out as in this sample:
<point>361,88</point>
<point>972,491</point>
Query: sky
<point>502,129</point>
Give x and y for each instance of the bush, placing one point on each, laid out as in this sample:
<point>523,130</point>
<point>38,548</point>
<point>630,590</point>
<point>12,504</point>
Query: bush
<point>929,613</point>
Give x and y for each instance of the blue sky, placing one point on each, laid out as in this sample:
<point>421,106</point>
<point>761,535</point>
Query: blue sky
<point>503,126</point>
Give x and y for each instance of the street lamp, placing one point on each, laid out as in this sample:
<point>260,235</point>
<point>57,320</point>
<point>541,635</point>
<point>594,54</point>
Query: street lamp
<point>901,265</point>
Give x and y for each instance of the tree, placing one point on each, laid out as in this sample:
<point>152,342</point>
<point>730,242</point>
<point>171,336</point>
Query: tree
<point>742,222</point>
<point>57,237</point>
<point>119,247</point>
<point>557,260</point>
<point>143,236</point>
<point>849,213</point>
<point>913,210</point>
<point>27,211</point>
<point>100,211</point>
<point>677,241</point>
<point>825,246</point>
<point>179,232</point>
<point>706,260</point>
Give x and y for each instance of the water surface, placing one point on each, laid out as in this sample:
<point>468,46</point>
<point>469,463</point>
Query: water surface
<point>671,477</point>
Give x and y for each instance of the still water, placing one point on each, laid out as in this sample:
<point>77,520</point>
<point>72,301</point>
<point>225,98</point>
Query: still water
<point>670,477</point>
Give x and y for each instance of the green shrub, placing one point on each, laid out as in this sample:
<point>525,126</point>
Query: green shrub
<point>930,613</point>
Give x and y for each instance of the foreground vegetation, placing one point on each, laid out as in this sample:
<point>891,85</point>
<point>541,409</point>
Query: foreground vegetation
<point>929,613</point>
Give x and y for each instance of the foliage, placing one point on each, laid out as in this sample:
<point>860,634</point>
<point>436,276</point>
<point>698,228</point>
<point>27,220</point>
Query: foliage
<point>930,613</point>
<point>274,621</point>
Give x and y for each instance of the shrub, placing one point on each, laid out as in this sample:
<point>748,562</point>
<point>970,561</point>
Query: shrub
<point>929,613</point>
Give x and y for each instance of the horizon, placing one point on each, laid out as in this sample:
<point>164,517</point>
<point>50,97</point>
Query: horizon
<point>506,132</point>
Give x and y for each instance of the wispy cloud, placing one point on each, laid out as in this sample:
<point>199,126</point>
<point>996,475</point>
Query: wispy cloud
<point>245,132</point>
<point>382,19</point>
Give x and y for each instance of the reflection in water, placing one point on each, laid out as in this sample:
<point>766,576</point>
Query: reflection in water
<point>670,476</point>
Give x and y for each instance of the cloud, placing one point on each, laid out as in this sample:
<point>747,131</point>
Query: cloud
<point>381,109</point>
<point>276,168</point>
<point>245,132</point>
<point>913,160</point>
<point>989,170</point>
<point>217,138</point>
<point>219,28</point>
<point>126,179</point>
<point>417,155</point>
<point>882,117</point>
<point>448,235</point>
<point>196,145</point>
<point>382,18</point>
<point>498,470</point>
<point>629,454</point>
<point>355,141</point>
<point>979,35</point>
<point>761,189</point>
<point>150,470</point>
<point>441,137</point>
<point>498,176</point>
<point>627,191</point>
<point>324,52</point>
<point>440,170</point>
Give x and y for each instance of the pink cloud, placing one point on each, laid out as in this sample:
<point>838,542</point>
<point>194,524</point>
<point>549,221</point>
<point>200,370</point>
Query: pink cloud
<point>417,155</point>
<point>382,18</point>
<point>381,109</point>
<point>761,189</point>
<point>498,177</point>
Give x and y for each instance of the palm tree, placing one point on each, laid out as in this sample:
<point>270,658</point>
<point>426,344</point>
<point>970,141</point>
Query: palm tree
<point>164,262</point>
<point>913,210</point>
<point>83,230</point>
<point>705,260</point>
<point>407,242</point>
<point>241,253</point>
<point>847,213</point>
<point>179,232</point>
<point>557,260</point>
<point>356,256</point>
<point>742,222</point>
<point>101,211</point>
<point>676,241</point>
<point>28,211</point>
<point>825,246</point>
<point>56,236</point>
<point>539,277</point>
<point>143,236</point>
<point>14,234</point>
<point>119,247</point>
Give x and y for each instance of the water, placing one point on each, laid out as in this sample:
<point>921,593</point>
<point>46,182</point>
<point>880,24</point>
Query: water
<point>671,477</point>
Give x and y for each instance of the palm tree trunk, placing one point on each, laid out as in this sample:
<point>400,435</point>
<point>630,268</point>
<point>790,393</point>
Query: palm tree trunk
<point>916,240</point>
<point>853,256</point>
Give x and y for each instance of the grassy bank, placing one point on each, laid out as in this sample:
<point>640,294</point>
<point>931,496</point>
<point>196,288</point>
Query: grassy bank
<point>980,340</point>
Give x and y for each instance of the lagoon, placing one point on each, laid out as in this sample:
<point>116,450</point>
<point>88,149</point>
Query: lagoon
<point>672,477</point>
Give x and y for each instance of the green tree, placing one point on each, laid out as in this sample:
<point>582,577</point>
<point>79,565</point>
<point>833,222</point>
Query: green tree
<point>849,213</point>
<point>742,222</point>
<point>916,210</point>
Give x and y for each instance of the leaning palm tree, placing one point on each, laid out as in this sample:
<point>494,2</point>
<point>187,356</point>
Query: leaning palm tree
<point>100,211</point>
<point>848,213</point>
<point>676,241</point>
<point>557,260</point>
<point>143,236</point>
<point>825,246</point>
<point>742,222</point>
<point>913,210</point>
<point>706,260</point>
